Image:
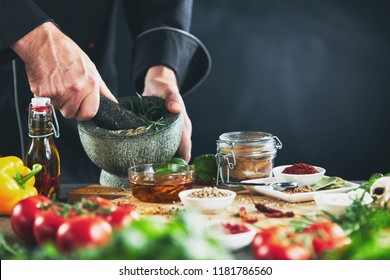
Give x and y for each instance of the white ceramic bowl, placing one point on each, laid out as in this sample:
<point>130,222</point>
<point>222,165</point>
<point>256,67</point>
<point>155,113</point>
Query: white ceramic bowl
<point>237,241</point>
<point>206,205</point>
<point>337,203</point>
<point>301,179</point>
<point>334,203</point>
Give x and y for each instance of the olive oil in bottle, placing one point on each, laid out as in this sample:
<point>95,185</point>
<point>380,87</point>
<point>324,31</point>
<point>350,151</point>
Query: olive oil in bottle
<point>42,148</point>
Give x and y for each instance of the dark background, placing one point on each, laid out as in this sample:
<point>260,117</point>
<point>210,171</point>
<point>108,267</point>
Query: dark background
<point>313,73</point>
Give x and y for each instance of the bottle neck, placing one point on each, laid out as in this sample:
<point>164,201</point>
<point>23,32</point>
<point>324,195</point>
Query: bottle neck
<point>40,122</point>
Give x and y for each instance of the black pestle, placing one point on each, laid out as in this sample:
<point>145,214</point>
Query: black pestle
<point>113,116</point>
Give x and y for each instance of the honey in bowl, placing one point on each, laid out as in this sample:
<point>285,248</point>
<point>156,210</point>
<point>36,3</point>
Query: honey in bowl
<point>160,182</point>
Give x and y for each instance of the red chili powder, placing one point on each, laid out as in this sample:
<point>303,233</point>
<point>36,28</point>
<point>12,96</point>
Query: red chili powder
<point>234,228</point>
<point>300,168</point>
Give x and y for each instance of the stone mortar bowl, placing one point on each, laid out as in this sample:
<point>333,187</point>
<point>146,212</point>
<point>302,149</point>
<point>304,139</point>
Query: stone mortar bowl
<point>114,152</point>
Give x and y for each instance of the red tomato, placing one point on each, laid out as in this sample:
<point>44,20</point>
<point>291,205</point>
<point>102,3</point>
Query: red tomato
<point>46,225</point>
<point>83,232</point>
<point>98,204</point>
<point>278,243</point>
<point>326,236</point>
<point>23,216</point>
<point>117,216</point>
<point>122,216</point>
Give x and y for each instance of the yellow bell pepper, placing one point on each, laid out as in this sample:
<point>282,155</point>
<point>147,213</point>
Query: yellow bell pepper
<point>16,182</point>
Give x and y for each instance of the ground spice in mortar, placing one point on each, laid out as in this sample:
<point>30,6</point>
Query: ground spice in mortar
<point>300,168</point>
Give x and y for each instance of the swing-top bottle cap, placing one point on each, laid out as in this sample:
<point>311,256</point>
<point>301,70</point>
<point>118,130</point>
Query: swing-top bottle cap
<point>40,101</point>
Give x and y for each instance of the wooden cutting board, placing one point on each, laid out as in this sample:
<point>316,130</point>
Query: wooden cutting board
<point>100,190</point>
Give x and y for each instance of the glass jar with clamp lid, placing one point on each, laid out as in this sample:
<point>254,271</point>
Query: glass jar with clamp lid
<point>245,155</point>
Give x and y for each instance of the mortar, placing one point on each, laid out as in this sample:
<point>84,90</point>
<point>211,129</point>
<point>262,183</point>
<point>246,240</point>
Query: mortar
<point>114,151</point>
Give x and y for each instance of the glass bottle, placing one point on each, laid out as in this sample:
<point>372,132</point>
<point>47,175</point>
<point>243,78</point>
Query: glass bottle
<point>42,148</point>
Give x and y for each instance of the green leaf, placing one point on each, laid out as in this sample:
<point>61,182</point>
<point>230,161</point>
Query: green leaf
<point>329,183</point>
<point>183,238</point>
<point>169,168</point>
<point>375,177</point>
<point>177,160</point>
<point>367,186</point>
<point>205,167</point>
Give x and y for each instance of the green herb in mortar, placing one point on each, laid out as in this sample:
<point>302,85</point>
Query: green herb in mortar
<point>150,111</point>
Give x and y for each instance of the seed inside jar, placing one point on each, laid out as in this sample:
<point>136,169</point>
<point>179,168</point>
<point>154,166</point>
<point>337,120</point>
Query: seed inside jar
<point>208,192</point>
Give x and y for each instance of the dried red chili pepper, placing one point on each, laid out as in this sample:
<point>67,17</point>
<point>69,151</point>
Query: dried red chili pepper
<point>300,168</point>
<point>264,209</point>
<point>273,213</point>
<point>280,214</point>
<point>244,216</point>
<point>267,211</point>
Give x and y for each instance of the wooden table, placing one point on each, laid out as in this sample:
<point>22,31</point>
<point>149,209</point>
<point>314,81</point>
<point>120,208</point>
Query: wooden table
<point>243,199</point>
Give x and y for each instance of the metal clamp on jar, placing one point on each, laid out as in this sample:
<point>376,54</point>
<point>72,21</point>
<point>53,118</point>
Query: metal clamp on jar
<point>245,155</point>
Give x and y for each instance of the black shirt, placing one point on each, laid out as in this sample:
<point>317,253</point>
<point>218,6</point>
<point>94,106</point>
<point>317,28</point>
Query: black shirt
<point>158,30</point>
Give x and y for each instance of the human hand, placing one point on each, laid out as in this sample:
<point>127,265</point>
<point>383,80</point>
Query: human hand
<point>57,68</point>
<point>161,81</point>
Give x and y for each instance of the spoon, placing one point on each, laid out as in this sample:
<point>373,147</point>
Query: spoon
<point>277,186</point>
<point>281,186</point>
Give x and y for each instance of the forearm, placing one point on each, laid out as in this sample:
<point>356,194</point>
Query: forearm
<point>30,45</point>
<point>57,68</point>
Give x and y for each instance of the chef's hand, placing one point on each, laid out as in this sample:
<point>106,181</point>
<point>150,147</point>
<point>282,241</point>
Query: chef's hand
<point>161,81</point>
<point>57,68</point>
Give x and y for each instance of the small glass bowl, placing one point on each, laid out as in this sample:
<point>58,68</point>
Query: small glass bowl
<point>160,182</point>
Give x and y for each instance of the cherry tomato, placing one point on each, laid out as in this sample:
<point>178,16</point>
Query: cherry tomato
<point>23,216</point>
<point>98,205</point>
<point>83,232</point>
<point>122,216</point>
<point>326,236</point>
<point>46,225</point>
<point>278,243</point>
<point>117,216</point>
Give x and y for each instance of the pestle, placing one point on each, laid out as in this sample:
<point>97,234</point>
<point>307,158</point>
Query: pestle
<point>113,116</point>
